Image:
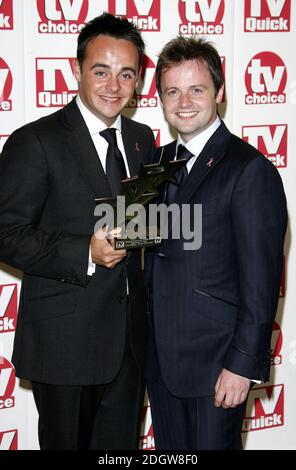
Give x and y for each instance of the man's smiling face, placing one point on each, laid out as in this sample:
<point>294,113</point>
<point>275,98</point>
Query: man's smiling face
<point>108,76</point>
<point>189,98</point>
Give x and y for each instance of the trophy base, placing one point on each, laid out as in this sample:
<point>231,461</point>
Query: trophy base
<point>128,244</point>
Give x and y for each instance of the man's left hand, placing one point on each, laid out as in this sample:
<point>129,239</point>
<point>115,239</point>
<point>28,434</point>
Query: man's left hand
<point>231,389</point>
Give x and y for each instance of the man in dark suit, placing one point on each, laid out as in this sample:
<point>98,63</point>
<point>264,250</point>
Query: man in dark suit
<point>81,327</point>
<point>213,306</point>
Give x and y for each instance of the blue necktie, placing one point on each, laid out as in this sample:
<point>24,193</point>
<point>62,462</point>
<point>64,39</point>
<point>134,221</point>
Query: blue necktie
<point>115,167</point>
<point>181,174</point>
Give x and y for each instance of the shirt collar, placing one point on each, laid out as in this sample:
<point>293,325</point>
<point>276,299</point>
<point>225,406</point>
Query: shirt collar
<point>198,142</point>
<point>93,123</point>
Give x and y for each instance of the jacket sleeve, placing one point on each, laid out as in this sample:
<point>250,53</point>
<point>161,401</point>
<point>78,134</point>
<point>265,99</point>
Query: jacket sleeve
<point>259,219</point>
<point>25,186</point>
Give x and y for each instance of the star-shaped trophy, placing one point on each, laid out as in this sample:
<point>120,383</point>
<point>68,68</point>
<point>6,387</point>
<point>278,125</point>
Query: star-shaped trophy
<point>137,191</point>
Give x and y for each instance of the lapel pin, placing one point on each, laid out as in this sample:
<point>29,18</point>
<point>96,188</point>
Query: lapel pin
<point>209,164</point>
<point>137,147</point>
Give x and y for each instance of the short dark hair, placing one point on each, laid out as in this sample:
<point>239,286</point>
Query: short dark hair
<point>109,25</point>
<point>182,49</point>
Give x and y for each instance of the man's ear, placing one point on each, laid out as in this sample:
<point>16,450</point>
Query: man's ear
<point>76,70</point>
<point>220,94</point>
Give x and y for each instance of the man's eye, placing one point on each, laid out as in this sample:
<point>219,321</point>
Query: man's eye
<point>172,92</point>
<point>197,91</point>
<point>127,76</point>
<point>101,73</point>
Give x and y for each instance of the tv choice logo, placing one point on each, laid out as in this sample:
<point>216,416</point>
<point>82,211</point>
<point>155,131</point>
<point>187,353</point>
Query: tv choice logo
<point>69,16</point>
<point>62,16</point>
<point>7,384</point>
<point>267,15</point>
<point>276,345</point>
<point>265,79</point>
<point>201,17</point>
<point>147,434</point>
<point>8,307</point>
<point>3,139</point>
<point>145,96</point>
<point>145,14</point>
<point>265,408</point>
<point>269,139</point>
<point>9,440</point>
<point>6,14</point>
<point>5,86</point>
<point>56,85</point>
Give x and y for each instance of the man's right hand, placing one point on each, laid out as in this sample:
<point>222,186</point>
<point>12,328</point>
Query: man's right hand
<point>102,251</point>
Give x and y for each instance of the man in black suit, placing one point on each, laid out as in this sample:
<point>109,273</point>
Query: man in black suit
<point>81,326</point>
<point>212,303</point>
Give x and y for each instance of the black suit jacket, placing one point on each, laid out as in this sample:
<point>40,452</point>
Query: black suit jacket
<point>71,327</point>
<point>214,307</point>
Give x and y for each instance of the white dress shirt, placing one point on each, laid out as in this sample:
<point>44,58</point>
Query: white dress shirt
<point>198,142</point>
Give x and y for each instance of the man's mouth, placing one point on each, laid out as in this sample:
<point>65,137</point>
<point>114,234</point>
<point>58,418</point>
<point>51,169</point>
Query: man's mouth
<point>110,99</point>
<point>186,114</point>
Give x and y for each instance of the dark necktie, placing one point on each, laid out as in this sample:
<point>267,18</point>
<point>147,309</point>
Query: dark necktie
<point>180,175</point>
<point>115,167</point>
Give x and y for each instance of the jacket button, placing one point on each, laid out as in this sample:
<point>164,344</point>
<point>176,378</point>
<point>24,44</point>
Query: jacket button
<point>120,299</point>
<point>160,254</point>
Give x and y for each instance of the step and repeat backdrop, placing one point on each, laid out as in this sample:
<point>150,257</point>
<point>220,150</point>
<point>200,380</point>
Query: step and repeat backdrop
<point>256,41</point>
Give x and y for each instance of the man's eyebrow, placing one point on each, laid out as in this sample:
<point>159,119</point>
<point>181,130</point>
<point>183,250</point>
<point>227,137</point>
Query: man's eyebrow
<point>106,66</point>
<point>100,65</point>
<point>131,69</point>
<point>174,87</point>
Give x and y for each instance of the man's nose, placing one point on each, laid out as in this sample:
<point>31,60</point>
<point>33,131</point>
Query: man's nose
<point>113,83</point>
<point>184,100</point>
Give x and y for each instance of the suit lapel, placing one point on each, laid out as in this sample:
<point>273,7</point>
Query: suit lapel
<point>81,146</point>
<point>132,146</point>
<point>208,159</point>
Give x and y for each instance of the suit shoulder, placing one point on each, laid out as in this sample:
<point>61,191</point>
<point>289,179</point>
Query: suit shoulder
<point>249,159</point>
<point>135,126</point>
<point>242,149</point>
<point>39,126</point>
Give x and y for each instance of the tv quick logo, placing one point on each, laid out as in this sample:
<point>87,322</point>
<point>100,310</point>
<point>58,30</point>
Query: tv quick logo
<point>201,17</point>
<point>55,83</point>
<point>145,96</point>
<point>7,384</point>
<point>283,279</point>
<point>145,14</point>
<point>3,139</point>
<point>265,79</point>
<point>276,345</point>
<point>147,435</point>
<point>6,14</point>
<point>8,440</point>
<point>62,16</point>
<point>8,308</point>
<point>271,140</point>
<point>265,408</point>
<point>5,86</point>
<point>267,15</point>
